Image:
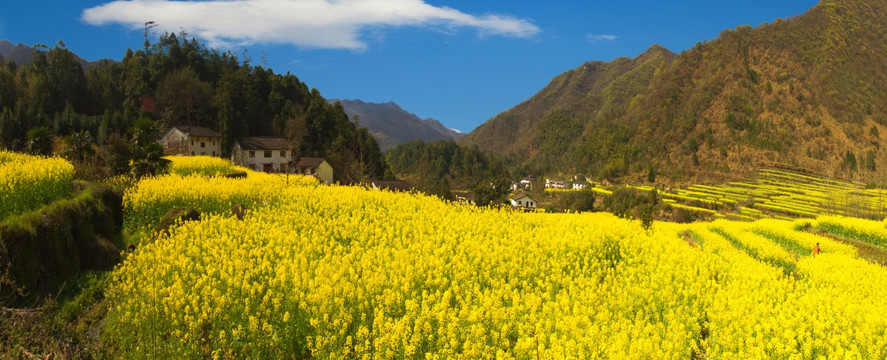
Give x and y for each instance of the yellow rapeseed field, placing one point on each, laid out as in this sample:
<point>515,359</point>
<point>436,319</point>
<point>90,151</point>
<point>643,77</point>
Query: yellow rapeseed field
<point>201,165</point>
<point>28,182</point>
<point>344,272</point>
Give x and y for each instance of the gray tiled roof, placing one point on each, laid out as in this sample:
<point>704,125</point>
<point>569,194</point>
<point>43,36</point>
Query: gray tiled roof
<point>197,131</point>
<point>309,162</point>
<point>263,143</point>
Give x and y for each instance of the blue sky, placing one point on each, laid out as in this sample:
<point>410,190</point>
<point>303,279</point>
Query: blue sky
<point>458,61</point>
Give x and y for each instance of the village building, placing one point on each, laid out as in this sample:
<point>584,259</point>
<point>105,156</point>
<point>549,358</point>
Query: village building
<point>555,184</point>
<point>262,153</point>
<point>581,185</point>
<point>191,140</point>
<point>391,185</point>
<point>316,167</point>
<point>524,184</point>
<point>527,182</point>
<point>523,201</point>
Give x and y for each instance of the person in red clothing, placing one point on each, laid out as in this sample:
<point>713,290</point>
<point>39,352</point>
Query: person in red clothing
<point>816,249</point>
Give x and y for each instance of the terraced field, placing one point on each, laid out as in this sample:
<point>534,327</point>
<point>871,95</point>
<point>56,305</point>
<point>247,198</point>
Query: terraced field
<point>779,194</point>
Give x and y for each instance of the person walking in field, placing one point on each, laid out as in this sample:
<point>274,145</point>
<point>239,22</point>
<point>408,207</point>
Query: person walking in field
<point>816,249</point>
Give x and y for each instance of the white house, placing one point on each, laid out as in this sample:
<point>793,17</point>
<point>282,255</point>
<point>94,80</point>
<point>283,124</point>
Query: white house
<point>191,140</point>
<point>316,167</point>
<point>522,201</point>
<point>262,153</point>
<point>581,185</point>
<point>555,184</point>
<point>527,182</point>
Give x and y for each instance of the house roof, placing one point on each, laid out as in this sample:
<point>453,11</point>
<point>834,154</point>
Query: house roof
<point>197,131</point>
<point>398,185</point>
<point>263,143</point>
<point>309,162</point>
<point>521,195</point>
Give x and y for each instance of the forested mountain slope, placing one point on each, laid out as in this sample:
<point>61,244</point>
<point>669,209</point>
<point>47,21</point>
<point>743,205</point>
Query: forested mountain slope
<point>805,93</point>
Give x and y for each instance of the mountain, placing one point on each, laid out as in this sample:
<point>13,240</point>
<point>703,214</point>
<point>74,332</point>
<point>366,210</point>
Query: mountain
<point>805,93</point>
<point>392,126</point>
<point>22,54</point>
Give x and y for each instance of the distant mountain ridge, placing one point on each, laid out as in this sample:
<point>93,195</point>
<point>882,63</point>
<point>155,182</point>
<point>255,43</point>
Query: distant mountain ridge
<point>22,54</point>
<point>391,125</point>
<point>804,93</point>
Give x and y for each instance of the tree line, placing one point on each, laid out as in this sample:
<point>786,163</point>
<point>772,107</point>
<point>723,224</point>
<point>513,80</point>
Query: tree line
<point>437,167</point>
<point>176,81</point>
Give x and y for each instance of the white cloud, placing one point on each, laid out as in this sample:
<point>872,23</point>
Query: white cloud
<point>600,37</point>
<point>331,24</point>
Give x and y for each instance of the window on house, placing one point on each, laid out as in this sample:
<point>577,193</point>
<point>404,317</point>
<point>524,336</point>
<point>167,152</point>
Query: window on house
<point>192,153</point>
<point>283,154</point>
<point>252,154</point>
<point>202,144</point>
<point>192,142</point>
<point>267,153</point>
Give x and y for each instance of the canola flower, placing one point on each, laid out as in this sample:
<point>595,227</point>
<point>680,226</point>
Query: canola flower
<point>145,203</point>
<point>870,231</point>
<point>202,165</point>
<point>28,182</point>
<point>343,272</point>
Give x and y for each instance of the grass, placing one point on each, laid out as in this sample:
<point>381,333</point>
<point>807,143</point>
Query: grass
<point>67,325</point>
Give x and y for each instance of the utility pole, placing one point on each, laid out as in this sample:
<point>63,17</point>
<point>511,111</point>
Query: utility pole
<point>148,25</point>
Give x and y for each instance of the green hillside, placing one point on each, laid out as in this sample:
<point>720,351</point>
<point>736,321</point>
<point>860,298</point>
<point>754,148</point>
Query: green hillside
<point>803,93</point>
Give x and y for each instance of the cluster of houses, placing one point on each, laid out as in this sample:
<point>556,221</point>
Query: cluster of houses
<point>521,200</point>
<point>274,154</point>
<point>578,182</point>
<point>260,153</point>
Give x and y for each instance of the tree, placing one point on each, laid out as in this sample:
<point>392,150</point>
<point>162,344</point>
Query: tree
<point>183,99</point>
<point>849,163</point>
<point>39,141</point>
<point>118,154</point>
<point>582,200</point>
<point>492,191</point>
<point>147,154</point>
<point>148,160</point>
<point>9,129</point>
<point>79,147</point>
